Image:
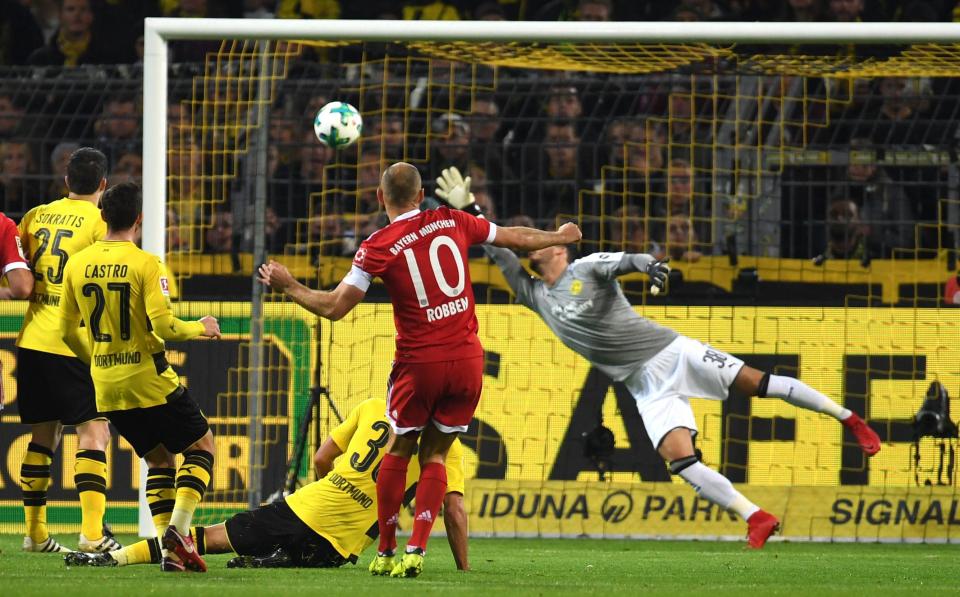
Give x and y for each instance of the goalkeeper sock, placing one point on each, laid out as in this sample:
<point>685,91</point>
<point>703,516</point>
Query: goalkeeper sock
<point>391,483</point>
<point>718,489</point>
<point>90,476</point>
<point>141,552</point>
<point>193,476</point>
<point>34,482</point>
<point>797,393</point>
<point>430,491</point>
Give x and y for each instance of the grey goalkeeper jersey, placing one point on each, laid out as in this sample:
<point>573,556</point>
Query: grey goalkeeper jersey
<point>587,310</point>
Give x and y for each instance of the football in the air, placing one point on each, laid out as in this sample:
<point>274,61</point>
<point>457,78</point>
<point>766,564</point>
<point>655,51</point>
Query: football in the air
<point>338,124</point>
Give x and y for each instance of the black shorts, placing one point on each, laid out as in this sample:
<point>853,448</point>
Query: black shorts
<point>177,425</point>
<point>53,387</point>
<point>260,532</point>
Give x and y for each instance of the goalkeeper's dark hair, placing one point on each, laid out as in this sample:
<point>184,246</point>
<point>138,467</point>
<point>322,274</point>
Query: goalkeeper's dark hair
<point>85,169</point>
<point>121,204</point>
<point>572,252</point>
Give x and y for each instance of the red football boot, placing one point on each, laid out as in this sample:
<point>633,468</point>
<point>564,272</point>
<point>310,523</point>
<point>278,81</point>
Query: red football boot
<point>867,438</point>
<point>760,526</point>
<point>184,548</point>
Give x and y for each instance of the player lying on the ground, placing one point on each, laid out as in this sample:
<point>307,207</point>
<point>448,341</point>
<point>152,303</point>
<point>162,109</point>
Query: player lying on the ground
<point>324,524</point>
<point>437,375</point>
<point>584,305</point>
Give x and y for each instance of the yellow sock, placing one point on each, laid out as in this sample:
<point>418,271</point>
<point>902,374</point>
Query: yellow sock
<point>34,482</point>
<point>160,496</point>
<point>192,480</point>
<point>90,475</point>
<point>141,552</point>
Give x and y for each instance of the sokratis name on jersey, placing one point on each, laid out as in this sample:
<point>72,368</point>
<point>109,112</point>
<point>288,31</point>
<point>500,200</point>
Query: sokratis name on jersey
<point>447,309</point>
<point>59,219</point>
<point>408,239</point>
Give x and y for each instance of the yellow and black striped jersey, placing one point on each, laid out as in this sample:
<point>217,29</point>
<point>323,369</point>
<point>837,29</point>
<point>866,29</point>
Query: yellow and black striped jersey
<point>342,507</point>
<point>51,234</point>
<point>121,292</point>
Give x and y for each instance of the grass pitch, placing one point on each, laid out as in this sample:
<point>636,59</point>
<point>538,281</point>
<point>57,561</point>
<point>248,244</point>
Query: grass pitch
<point>535,567</point>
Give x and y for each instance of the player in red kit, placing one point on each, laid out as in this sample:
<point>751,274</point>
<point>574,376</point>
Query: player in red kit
<point>13,267</point>
<point>435,384</point>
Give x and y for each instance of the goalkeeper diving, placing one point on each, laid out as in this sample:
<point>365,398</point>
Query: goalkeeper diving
<point>324,524</point>
<point>581,301</point>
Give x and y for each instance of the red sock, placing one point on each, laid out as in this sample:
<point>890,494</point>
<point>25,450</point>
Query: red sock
<point>391,483</point>
<point>430,491</point>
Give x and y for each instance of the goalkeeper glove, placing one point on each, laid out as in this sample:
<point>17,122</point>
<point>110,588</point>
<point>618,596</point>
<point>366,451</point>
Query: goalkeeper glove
<point>658,272</point>
<point>455,190</point>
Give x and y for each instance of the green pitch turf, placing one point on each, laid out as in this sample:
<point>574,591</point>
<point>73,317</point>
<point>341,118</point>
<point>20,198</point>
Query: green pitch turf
<point>535,567</point>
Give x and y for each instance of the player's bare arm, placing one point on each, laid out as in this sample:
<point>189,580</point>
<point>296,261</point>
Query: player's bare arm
<point>521,238</point>
<point>19,284</point>
<point>324,457</point>
<point>332,305</point>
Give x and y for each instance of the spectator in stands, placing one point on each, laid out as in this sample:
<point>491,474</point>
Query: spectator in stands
<point>282,134</point>
<point>627,231</point>
<point>128,168</point>
<point>708,10</point>
<point>383,135</point>
<point>489,11</point>
<point>845,11</point>
<point>185,183</point>
<point>594,10</point>
<point>12,114</point>
<point>314,157</point>
<point>681,243</point>
<point>684,199</point>
<point>77,41</point>
<point>803,11</point>
<point>19,33</point>
<point>429,10</point>
<point>563,102</point>
<point>368,180</point>
<point>888,220</point>
<point>306,9</point>
<point>219,236</point>
<point>117,129</point>
<point>450,143</point>
<point>951,291</point>
<point>20,189</point>
<point>845,234</point>
<point>556,175</point>
<point>58,166</point>
<point>902,100</point>
<point>175,242</point>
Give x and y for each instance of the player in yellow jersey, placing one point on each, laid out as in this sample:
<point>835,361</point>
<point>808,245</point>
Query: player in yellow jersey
<point>53,386</point>
<point>324,524</point>
<point>121,293</point>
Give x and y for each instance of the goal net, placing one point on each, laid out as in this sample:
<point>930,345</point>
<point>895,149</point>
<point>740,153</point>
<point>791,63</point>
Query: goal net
<point>804,182</point>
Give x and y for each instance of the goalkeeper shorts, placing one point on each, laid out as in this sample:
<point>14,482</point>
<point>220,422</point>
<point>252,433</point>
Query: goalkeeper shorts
<point>445,392</point>
<point>685,369</point>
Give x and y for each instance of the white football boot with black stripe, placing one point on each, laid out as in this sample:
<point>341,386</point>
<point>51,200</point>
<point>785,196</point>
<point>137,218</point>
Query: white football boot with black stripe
<point>50,545</point>
<point>104,545</point>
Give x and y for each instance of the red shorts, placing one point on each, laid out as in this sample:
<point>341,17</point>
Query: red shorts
<point>445,392</point>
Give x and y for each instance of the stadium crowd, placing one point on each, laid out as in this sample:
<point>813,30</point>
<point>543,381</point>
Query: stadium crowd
<point>646,149</point>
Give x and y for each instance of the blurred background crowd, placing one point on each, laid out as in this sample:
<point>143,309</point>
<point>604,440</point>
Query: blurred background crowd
<point>643,160</point>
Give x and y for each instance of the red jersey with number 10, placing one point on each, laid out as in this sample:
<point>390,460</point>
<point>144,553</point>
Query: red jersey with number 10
<point>422,259</point>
